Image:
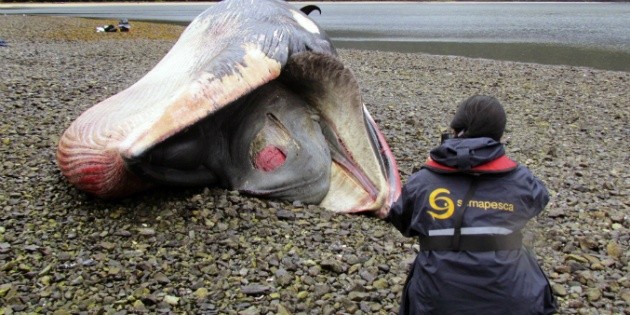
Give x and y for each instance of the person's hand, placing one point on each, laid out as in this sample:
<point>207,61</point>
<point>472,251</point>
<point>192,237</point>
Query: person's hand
<point>386,209</point>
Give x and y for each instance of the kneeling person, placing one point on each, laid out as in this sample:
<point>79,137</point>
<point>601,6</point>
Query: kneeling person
<point>468,204</point>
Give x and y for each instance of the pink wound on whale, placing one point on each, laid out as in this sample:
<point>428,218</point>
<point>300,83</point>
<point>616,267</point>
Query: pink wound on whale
<point>269,159</point>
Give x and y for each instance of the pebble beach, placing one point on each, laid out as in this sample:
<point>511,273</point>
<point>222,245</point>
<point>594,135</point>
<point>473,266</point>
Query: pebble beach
<point>215,251</point>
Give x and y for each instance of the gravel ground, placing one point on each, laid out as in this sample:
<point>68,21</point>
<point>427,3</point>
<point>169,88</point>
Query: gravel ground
<point>215,251</point>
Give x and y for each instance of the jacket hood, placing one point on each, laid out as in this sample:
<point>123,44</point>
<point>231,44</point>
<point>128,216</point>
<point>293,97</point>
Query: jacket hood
<point>466,153</point>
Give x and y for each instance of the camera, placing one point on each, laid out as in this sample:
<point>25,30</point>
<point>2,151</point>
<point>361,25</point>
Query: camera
<point>445,136</point>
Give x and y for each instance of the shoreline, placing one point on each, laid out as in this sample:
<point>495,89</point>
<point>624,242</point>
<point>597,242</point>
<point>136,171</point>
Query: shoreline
<point>580,50</point>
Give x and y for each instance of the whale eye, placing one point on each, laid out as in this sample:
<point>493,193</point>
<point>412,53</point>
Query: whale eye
<point>269,158</point>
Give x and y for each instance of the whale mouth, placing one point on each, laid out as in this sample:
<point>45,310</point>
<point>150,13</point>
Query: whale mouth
<point>353,189</point>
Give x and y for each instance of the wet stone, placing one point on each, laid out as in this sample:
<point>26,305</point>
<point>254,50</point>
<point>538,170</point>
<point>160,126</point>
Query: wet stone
<point>333,265</point>
<point>285,215</point>
<point>255,289</point>
<point>559,289</point>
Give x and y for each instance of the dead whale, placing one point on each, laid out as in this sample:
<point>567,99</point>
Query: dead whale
<point>251,98</point>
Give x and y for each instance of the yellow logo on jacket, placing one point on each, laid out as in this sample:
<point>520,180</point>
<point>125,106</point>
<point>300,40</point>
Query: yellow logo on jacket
<point>443,206</point>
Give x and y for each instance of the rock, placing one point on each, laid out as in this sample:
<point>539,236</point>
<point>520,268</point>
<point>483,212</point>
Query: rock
<point>4,288</point>
<point>597,266</point>
<point>4,248</point>
<point>613,249</point>
<point>281,310</point>
<point>283,278</point>
<point>252,310</point>
<point>302,295</point>
<point>593,294</point>
<point>170,299</point>
<point>577,258</point>
<point>161,278</point>
<point>107,245</point>
<point>320,289</point>
<point>285,215</point>
<point>138,305</point>
<point>255,289</point>
<point>45,280</point>
<point>31,248</point>
<point>201,293</point>
<point>380,284</point>
<point>358,296</point>
<point>575,304</point>
<point>576,289</point>
<point>559,289</point>
<point>367,275</point>
<point>556,213</point>
<point>146,231</point>
<point>141,292</point>
<point>334,265</point>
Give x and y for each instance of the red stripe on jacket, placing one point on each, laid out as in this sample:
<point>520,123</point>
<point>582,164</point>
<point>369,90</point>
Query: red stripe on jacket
<point>498,165</point>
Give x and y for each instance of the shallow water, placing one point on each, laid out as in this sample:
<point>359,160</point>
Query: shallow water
<point>581,34</point>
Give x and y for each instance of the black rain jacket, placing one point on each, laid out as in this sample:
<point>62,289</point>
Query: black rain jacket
<point>472,282</point>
